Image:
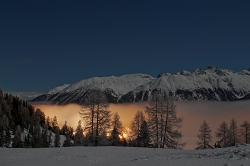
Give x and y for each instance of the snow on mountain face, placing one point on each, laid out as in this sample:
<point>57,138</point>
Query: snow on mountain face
<point>113,86</point>
<point>57,89</point>
<point>48,94</point>
<point>209,84</point>
<point>203,84</point>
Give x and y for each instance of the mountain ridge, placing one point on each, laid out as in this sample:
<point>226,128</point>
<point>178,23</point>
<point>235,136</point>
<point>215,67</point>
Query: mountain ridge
<point>211,83</point>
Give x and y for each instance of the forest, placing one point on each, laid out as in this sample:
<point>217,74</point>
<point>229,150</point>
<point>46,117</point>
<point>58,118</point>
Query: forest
<point>158,126</point>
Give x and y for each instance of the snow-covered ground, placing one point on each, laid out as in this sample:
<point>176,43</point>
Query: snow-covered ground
<point>122,156</point>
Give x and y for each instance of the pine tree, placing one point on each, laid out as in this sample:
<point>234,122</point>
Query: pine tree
<point>245,131</point>
<point>136,124</point>
<point>115,137</point>
<point>116,133</point>
<point>37,136</point>
<point>2,129</point>
<point>67,141</point>
<point>31,130</point>
<point>50,138</point>
<point>2,138</point>
<point>57,137</point>
<point>39,116</point>
<point>49,123</point>
<point>71,132</point>
<point>64,129</point>
<point>1,112</point>
<point>144,138</point>
<point>116,123</point>
<point>96,115</point>
<point>204,137</point>
<point>17,140</point>
<point>163,122</point>
<point>223,134</point>
<point>79,137</point>
<point>7,138</point>
<point>54,123</point>
<point>45,136</point>
<point>153,111</point>
<point>233,128</point>
<point>27,141</point>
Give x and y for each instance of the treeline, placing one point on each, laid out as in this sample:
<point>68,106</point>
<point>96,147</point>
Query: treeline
<point>159,130</point>
<point>21,126</point>
<point>226,134</point>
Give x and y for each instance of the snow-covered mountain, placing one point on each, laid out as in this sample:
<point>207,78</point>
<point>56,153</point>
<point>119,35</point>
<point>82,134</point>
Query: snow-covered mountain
<point>211,83</point>
<point>114,87</point>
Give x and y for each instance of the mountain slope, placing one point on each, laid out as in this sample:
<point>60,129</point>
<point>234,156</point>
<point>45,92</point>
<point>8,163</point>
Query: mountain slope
<point>211,83</point>
<point>113,86</point>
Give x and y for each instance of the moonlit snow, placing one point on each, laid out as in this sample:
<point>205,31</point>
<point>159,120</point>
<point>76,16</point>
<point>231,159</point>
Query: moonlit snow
<point>122,156</point>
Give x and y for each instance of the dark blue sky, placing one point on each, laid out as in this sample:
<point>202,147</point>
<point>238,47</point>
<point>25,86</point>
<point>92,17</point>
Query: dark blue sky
<point>46,43</point>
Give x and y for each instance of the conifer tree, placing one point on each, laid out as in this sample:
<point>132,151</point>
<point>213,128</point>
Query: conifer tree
<point>144,138</point>
<point>27,141</point>
<point>233,128</point>
<point>64,129</point>
<point>50,138</point>
<point>17,140</point>
<point>96,115</point>
<point>54,123</point>
<point>1,112</point>
<point>116,134</point>
<point>39,116</point>
<point>7,137</point>
<point>204,137</point>
<point>37,136</point>
<point>48,122</point>
<point>45,136</point>
<point>136,124</point>
<point>115,137</point>
<point>71,132</point>
<point>79,137</point>
<point>67,141</point>
<point>2,138</point>
<point>57,137</point>
<point>116,123</point>
<point>245,131</point>
<point>223,134</point>
<point>66,133</point>
<point>163,122</point>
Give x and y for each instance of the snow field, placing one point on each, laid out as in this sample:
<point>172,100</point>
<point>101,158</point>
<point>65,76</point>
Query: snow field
<point>122,156</point>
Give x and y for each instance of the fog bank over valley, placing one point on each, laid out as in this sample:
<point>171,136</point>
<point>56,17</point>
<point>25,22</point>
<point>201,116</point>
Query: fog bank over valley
<point>193,112</point>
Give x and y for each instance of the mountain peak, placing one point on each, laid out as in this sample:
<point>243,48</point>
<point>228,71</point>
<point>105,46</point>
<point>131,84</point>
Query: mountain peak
<point>57,89</point>
<point>185,73</point>
<point>211,83</point>
<point>163,74</point>
<point>212,67</point>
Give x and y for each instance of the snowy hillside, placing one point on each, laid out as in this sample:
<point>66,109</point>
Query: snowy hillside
<point>123,156</point>
<point>203,84</point>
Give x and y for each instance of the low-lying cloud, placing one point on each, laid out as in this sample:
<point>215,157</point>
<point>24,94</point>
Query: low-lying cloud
<point>193,112</point>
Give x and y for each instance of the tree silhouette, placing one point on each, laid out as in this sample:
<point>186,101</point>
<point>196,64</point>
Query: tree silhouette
<point>204,137</point>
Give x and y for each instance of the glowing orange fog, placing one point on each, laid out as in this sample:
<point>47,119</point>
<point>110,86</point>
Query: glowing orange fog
<point>193,112</point>
<point>70,112</point>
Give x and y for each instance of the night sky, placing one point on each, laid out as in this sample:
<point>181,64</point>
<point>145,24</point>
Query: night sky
<point>47,43</point>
